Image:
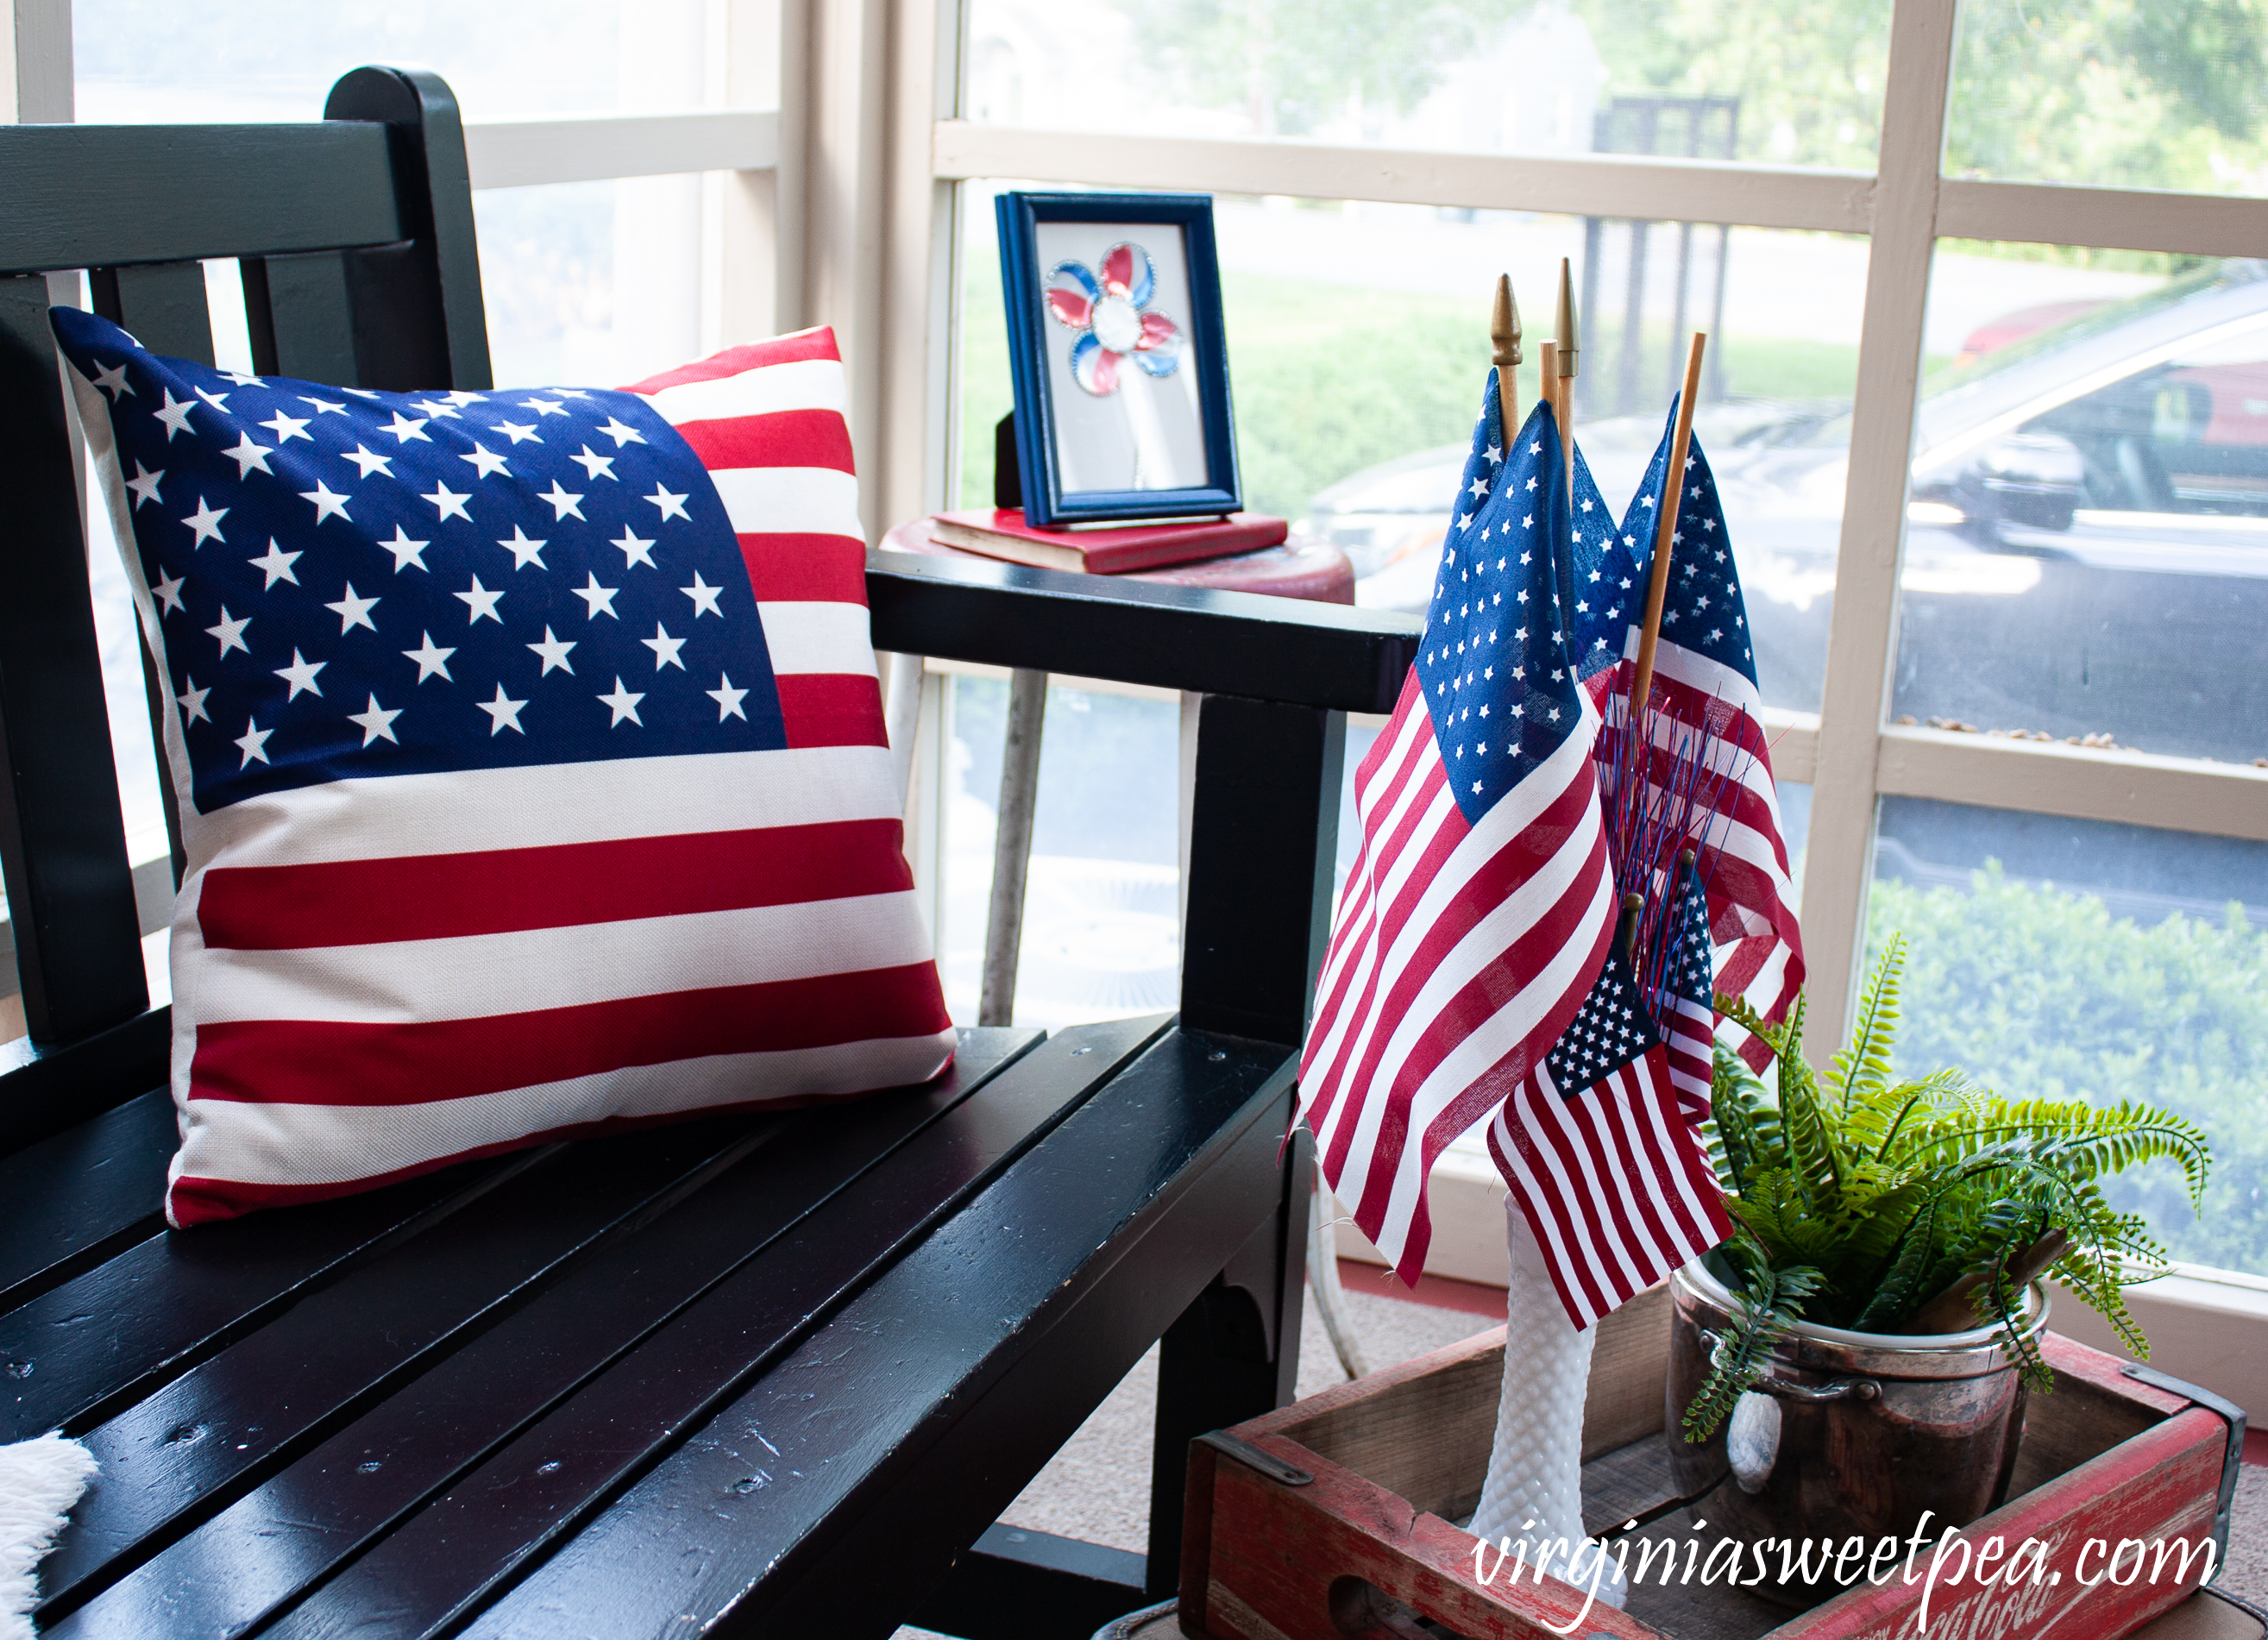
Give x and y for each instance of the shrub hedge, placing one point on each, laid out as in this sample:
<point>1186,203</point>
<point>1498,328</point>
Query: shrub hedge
<point>2039,992</point>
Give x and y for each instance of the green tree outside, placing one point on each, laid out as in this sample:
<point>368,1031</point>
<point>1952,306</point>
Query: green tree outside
<point>2125,93</point>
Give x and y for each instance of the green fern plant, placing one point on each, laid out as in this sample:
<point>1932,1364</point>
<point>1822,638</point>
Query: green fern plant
<point>1861,1200</point>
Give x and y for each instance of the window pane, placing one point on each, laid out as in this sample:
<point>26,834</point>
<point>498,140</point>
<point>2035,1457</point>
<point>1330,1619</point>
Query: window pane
<point>585,282</point>
<point>1102,902</point>
<point>152,60</point>
<point>2154,95</point>
<point>591,282</point>
<point>1794,82</point>
<point>2056,958</point>
<point>2086,552</point>
<point>1357,338</point>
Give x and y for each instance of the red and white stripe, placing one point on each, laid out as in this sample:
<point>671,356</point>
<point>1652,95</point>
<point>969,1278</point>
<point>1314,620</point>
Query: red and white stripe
<point>1610,1178</point>
<point>767,421</point>
<point>1687,1031</point>
<point>1459,954</point>
<point>373,978</point>
<point>1758,944</point>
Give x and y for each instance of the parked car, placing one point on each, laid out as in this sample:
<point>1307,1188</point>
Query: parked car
<point>2086,544</point>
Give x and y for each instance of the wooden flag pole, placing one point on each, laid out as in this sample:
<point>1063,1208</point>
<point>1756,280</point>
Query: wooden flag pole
<point>1569,363</point>
<point>1504,341</point>
<point>1547,389</point>
<point>1665,526</point>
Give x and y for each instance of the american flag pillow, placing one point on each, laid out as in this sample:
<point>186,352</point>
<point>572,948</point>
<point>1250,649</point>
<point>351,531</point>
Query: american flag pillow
<point>529,757</point>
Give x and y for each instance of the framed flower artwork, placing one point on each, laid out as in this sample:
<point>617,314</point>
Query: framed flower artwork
<point>1120,365</point>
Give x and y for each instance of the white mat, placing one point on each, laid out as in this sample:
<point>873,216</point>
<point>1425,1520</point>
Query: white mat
<point>39,1481</point>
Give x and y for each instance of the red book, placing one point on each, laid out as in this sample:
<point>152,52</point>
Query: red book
<point>1001,533</point>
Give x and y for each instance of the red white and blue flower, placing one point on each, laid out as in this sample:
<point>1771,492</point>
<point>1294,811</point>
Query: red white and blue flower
<point>1113,318</point>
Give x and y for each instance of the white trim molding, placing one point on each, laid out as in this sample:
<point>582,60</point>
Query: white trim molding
<point>1596,185</point>
<point>1793,738</point>
<point>2101,219</point>
<point>2208,1327</point>
<point>2079,783</point>
<point>39,77</point>
<point>590,148</point>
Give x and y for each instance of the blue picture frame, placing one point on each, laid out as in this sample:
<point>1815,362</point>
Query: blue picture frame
<point>1064,445</point>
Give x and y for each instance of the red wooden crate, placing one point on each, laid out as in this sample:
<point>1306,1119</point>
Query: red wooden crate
<point>1397,1457</point>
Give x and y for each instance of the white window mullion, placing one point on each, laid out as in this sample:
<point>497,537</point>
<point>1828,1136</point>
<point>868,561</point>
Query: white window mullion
<point>1839,853</point>
<point>2102,218</point>
<point>846,214</point>
<point>918,259</point>
<point>40,81</point>
<point>590,148</point>
<point>2126,788</point>
<point>759,255</point>
<point>1599,185</point>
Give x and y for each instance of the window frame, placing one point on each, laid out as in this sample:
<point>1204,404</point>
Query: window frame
<point>1849,751</point>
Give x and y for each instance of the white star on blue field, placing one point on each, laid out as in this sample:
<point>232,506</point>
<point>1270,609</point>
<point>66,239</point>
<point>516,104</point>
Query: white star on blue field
<point>354,584</point>
<point>1498,686</point>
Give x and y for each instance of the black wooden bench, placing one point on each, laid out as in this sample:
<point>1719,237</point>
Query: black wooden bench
<point>755,1374</point>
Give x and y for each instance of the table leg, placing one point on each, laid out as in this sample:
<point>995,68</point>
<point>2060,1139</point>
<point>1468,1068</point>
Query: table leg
<point>902,718</point>
<point>1323,1278</point>
<point>1012,845</point>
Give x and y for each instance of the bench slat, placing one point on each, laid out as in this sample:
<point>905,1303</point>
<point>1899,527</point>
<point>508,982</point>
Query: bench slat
<point>356,1329</point>
<point>84,1195</point>
<point>98,195</point>
<point>912,1365</point>
<point>518,1503</point>
<point>47,1090</point>
<point>104,1340</point>
<point>307,1519</point>
<point>301,317</point>
<point>183,1453</point>
<point>162,304</point>
<point>70,892</point>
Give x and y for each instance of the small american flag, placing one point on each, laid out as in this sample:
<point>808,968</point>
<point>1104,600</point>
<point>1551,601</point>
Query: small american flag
<point>1480,905</point>
<point>1683,988</point>
<point>1706,674</point>
<point>1707,725</point>
<point>1603,1165</point>
<point>531,759</point>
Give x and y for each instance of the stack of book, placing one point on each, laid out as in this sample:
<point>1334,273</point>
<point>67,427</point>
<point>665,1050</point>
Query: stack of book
<point>1105,549</point>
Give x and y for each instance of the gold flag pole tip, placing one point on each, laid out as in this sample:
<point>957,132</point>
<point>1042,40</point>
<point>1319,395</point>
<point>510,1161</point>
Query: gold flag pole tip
<point>1570,347</point>
<point>1503,342</point>
<point>1569,363</point>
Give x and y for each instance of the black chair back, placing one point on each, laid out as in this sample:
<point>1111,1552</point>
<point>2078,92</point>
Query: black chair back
<point>355,238</point>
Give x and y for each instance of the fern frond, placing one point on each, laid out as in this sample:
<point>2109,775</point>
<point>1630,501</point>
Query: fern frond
<point>1767,1302</point>
<point>1863,1068</point>
<point>1878,1123</point>
<point>2082,1141</point>
<point>1737,1010</point>
<point>1900,1288</point>
<point>1811,1138</point>
<point>1860,1197</point>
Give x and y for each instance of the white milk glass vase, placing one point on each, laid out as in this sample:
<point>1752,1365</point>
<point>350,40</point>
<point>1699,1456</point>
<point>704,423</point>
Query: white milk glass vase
<point>1532,1498</point>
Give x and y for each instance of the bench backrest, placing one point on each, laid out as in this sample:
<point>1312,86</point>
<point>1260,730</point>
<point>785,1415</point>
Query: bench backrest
<point>354,238</point>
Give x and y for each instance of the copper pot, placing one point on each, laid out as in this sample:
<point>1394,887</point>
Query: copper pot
<point>1846,1433</point>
